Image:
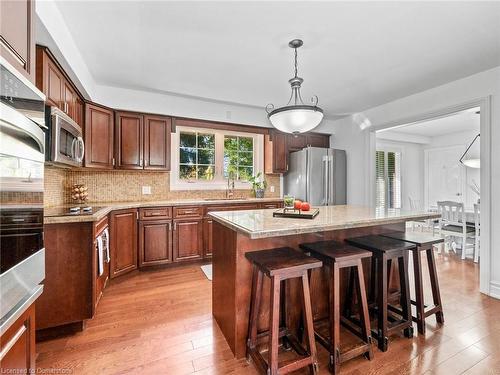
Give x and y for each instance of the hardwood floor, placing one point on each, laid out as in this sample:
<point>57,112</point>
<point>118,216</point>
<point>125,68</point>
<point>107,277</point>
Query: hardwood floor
<point>160,322</point>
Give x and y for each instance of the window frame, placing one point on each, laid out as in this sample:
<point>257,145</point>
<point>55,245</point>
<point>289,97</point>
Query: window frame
<point>218,182</point>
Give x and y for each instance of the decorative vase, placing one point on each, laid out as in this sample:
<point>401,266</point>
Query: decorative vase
<point>259,193</point>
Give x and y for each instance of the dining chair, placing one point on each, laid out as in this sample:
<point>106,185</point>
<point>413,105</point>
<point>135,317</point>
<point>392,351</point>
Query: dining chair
<point>453,223</point>
<point>415,205</point>
<point>477,226</point>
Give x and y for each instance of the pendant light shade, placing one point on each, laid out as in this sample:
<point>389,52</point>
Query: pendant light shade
<point>296,117</point>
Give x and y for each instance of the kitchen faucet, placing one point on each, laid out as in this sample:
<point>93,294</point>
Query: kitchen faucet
<point>230,186</point>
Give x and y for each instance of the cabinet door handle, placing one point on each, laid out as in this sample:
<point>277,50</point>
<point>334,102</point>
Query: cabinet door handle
<point>12,342</point>
<point>175,225</point>
<point>169,226</point>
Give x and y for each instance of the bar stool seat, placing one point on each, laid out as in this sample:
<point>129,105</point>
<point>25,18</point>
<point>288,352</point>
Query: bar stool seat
<point>336,256</point>
<point>280,264</point>
<point>424,243</point>
<point>385,250</point>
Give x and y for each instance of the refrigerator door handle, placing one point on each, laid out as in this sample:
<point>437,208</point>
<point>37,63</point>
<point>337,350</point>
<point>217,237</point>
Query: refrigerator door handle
<point>325,180</point>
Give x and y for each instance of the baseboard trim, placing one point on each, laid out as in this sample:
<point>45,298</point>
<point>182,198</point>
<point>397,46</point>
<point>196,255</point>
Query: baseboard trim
<point>495,289</point>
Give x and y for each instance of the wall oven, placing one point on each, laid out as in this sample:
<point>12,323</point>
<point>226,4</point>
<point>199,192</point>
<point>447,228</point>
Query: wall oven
<point>64,138</point>
<point>22,156</point>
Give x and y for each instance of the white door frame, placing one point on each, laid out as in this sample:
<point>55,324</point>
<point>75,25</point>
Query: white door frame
<point>484,104</point>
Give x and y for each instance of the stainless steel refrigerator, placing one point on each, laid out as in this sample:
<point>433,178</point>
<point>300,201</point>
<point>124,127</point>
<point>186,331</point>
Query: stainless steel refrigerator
<point>317,175</point>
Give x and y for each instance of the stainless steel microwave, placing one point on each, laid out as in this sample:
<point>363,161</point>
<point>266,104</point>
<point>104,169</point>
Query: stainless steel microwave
<point>65,145</point>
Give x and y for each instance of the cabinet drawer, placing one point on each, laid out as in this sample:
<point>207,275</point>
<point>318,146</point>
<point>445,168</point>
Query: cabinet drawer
<point>188,212</point>
<point>156,213</point>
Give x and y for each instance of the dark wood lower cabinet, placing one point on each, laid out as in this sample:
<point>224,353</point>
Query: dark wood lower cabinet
<point>207,238</point>
<point>17,345</point>
<point>187,238</point>
<point>123,242</point>
<point>155,243</point>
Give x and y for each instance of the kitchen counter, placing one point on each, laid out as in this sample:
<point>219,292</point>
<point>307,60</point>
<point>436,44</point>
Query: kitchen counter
<point>261,223</point>
<point>52,215</point>
<point>236,233</point>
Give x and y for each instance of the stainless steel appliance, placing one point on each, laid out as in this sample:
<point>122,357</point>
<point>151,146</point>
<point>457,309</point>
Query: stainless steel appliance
<point>65,145</point>
<point>22,146</point>
<point>317,175</point>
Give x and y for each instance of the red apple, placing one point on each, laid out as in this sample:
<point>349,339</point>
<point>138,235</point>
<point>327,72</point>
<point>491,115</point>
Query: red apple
<point>305,206</point>
<point>297,204</point>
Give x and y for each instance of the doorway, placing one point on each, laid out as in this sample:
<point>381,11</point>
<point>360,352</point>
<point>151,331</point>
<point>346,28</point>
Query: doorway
<point>460,178</point>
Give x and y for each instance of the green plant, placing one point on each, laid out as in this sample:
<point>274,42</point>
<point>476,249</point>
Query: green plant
<point>257,182</point>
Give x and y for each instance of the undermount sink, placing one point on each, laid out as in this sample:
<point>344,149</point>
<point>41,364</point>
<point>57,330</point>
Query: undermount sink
<point>225,199</point>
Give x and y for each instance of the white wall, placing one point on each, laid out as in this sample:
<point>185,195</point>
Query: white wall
<point>461,139</point>
<point>412,169</point>
<point>481,85</point>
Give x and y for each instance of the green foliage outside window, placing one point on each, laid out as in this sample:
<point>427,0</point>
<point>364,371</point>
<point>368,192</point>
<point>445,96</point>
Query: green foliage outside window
<point>238,157</point>
<point>196,156</point>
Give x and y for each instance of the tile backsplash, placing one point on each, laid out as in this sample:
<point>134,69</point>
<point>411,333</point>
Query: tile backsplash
<point>123,186</point>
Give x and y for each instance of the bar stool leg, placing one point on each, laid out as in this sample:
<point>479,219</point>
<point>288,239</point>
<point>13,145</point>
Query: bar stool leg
<point>436,295</point>
<point>405,292</point>
<point>350,289</point>
<point>334,319</point>
<point>254,310</point>
<point>419,293</point>
<point>373,280</point>
<point>274,325</point>
<point>363,309</point>
<point>382,302</point>
<point>309,325</point>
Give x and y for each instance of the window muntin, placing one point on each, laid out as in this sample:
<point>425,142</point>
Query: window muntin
<point>196,156</point>
<point>238,157</point>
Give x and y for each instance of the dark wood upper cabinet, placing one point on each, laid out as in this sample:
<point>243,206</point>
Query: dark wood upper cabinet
<point>129,132</point>
<point>17,41</point>
<point>157,142</point>
<point>279,145</point>
<point>188,240</point>
<point>155,242</point>
<point>56,85</point>
<point>318,140</point>
<point>123,242</point>
<point>99,131</point>
<point>296,142</point>
<point>50,80</point>
<point>276,152</point>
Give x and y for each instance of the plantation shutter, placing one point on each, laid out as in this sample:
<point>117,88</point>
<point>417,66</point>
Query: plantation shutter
<point>380,179</point>
<point>388,179</point>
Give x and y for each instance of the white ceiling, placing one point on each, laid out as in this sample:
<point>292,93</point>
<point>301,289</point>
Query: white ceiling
<point>356,55</point>
<point>463,121</point>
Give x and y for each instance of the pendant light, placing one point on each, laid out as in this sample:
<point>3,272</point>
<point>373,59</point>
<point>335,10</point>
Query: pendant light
<point>296,117</point>
<point>471,162</point>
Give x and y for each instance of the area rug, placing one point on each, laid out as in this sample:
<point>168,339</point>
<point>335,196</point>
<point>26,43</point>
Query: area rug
<point>207,270</point>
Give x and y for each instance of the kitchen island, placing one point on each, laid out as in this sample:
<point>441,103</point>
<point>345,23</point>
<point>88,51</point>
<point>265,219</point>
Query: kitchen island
<point>235,233</point>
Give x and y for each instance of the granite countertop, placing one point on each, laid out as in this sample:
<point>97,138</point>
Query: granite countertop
<point>262,224</point>
<point>52,214</point>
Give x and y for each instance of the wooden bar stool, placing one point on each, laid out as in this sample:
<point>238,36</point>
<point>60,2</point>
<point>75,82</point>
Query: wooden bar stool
<point>280,265</point>
<point>337,256</point>
<point>424,243</point>
<point>385,250</point>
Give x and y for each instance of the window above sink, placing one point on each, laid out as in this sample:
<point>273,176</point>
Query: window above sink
<point>203,159</point>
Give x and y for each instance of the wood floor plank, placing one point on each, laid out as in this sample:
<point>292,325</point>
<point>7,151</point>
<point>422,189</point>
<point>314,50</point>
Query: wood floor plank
<point>160,322</point>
